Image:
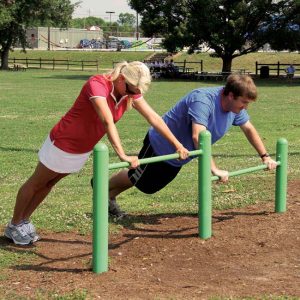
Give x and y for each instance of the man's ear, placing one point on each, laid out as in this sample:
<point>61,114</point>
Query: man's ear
<point>231,96</point>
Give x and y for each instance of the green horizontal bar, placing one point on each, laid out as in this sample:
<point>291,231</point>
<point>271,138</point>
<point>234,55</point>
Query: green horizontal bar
<point>244,171</point>
<point>150,160</point>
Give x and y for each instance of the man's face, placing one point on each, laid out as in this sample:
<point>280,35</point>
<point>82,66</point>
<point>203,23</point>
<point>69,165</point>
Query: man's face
<point>235,105</point>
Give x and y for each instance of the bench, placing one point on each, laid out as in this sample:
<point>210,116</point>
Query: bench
<point>20,67</point>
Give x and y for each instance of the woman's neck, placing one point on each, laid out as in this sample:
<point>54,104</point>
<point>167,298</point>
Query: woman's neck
<point>116,93</point>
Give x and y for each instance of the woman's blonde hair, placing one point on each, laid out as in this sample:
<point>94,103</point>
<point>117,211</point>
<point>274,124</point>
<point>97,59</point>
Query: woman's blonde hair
<point>135,73</point>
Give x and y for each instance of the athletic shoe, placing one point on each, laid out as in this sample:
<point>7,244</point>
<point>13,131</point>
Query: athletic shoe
<point>113,208</point>
<point>17,234</point>
<point>115,211</point>
<point>30,229</point>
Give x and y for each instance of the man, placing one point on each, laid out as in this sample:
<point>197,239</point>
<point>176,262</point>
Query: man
<point>290,71</point>
<point>215,109</point>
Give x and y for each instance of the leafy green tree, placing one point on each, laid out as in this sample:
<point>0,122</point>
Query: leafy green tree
<point>230,27</point>
<point>4,13</point>
<point>126,23</point>
<point>87,22</point>
<point>126,19</point>
<point>286,36</point>
<point>17,15</point>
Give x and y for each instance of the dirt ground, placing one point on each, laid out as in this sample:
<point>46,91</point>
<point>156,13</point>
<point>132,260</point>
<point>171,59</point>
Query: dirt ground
<point>253,252</point>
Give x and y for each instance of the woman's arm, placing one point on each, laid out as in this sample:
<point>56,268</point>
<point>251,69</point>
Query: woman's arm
<point>104,113</point>
<point>157,122</point>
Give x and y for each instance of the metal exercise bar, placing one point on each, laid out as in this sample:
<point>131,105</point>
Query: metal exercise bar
<point>149,160</point>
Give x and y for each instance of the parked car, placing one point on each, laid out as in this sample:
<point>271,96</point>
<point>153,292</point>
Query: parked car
<point>125,44</point>
<point>84,43</point>
<point>113,43</point>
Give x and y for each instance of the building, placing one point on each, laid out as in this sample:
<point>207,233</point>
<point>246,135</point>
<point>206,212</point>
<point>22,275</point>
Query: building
<point>39,37</point>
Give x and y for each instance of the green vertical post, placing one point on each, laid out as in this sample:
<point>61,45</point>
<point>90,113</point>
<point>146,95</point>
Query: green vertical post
<point>204,186</point>
<point>281,175</point>
<point>100,209</point>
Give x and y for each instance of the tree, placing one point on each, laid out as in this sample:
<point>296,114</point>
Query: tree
<point>17,15</point>
<point>126,23</point>
<point>286,36</point>
<point>87,22</point>
<point>231,28</point>
<point>126,19</point>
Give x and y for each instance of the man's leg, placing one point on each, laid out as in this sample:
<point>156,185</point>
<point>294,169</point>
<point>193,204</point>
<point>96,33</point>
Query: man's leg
<point>118,183</point>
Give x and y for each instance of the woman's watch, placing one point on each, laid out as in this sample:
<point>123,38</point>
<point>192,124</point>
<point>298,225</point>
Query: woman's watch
<point>265,155</point>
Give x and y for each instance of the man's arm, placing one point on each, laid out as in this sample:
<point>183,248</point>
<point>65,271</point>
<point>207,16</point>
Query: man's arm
<point>255,140</point>
<point>222,174</point>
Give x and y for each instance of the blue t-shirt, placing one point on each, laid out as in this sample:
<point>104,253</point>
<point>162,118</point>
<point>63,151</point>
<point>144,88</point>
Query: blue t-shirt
<point>201,106</point>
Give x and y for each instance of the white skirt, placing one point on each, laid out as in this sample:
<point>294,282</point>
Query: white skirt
<point>60,161</point>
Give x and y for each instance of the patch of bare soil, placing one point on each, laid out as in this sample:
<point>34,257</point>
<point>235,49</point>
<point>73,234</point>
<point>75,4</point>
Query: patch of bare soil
<point>253,252</point>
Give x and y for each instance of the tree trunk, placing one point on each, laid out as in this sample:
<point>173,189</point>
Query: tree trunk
<point>4,58</point>
<point>227,62</point>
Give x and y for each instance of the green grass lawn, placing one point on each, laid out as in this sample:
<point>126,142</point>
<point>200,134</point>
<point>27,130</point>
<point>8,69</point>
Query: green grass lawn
<point>32,102</point>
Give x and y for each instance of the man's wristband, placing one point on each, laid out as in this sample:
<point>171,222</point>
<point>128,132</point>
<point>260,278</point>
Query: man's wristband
<point>265,155</point>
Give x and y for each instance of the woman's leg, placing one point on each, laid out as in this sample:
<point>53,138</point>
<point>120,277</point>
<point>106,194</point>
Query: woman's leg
<point>34,191</point>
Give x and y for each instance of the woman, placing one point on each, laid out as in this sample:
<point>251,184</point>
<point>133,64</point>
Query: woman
<point>100,104</point>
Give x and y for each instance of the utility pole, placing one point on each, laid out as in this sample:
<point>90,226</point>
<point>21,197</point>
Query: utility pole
<point>48,39</point>
<point>137,26</point>
<point>110,13</point>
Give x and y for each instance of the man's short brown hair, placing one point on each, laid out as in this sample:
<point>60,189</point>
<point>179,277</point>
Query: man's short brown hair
<point>241,86</point>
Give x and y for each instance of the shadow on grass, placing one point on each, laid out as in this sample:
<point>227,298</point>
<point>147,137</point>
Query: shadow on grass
<point>7,149</point>
<point>276,82</point>
<point>70,77</point>
<point>268,82</point>
<point>18,149</point>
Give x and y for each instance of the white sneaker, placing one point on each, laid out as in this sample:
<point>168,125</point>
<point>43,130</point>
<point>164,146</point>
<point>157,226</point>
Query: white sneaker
<point>30,229</point>
<point>17,234</point>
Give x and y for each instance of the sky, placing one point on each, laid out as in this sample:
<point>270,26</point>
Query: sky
<point>99,8</point>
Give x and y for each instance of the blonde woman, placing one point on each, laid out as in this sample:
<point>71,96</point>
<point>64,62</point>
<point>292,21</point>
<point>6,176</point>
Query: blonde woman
<point>101,103</point>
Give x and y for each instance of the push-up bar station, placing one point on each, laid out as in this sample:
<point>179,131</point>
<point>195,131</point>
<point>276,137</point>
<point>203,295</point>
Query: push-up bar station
<point>101,169</point>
